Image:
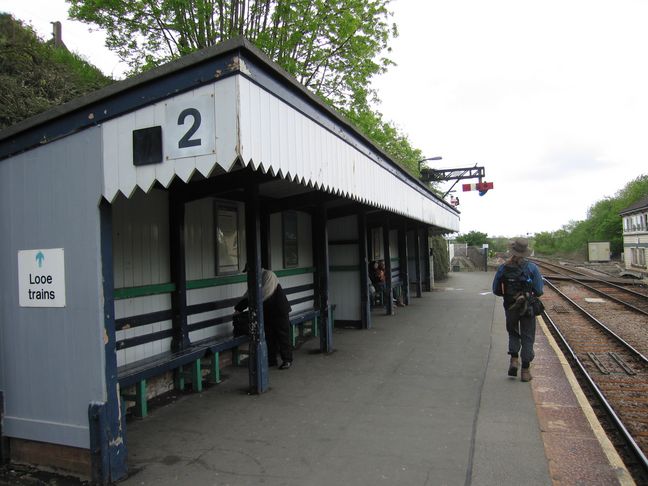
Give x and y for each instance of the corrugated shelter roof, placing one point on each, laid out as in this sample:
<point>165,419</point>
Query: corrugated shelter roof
<point>259,116</point>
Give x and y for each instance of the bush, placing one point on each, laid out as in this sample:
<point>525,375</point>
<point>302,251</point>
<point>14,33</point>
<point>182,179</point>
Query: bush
<point>36,76</point>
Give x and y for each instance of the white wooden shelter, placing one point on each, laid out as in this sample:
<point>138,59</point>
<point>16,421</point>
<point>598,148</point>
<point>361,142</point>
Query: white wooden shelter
<point>143,202</point>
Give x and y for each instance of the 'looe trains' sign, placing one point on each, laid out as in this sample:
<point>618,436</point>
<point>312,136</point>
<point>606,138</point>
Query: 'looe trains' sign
<point>41,278</point>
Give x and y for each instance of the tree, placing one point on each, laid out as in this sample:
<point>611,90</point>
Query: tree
<point>473,238</point>
<point>388,137</point>
<point>333,47</point>
<point>498,243</point>
<point>603,223</point>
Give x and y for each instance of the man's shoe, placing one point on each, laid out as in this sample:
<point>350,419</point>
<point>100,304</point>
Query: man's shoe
<point>526,374</point>
<point>285,365</point>
<point>513,366</point>
<point>272,364</point>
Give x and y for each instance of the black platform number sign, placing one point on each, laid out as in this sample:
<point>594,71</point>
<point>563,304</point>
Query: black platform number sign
<point>186,140</point>
<point>189,129</point>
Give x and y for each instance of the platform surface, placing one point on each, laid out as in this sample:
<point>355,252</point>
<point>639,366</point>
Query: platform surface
<point>422,398</point>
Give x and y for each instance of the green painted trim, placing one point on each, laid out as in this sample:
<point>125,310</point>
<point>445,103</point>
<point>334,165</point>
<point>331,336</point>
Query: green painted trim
<point>155,289</point>
<point>215,368</point>
<point>167,288</point>
<point>344,268</point>
<point>288,272</point>
<point>196,376</point>
<point>141,401</point>
<point>216,281</point>
<point>394,259</point>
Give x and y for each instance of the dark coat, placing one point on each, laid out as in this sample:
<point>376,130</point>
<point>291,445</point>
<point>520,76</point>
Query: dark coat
<point>274,307</point>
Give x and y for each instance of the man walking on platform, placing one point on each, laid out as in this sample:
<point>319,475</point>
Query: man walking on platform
<point>520,283</point>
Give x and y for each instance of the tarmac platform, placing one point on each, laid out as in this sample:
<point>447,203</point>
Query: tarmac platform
<point>422,398</point>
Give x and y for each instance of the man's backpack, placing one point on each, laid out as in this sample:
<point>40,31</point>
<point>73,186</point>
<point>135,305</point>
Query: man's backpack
<point>515,281</point>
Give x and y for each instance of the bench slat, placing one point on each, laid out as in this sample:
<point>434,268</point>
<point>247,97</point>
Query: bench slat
<point>143,339</point>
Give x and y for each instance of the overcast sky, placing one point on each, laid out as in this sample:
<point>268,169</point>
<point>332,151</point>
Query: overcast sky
<point>551,97</point>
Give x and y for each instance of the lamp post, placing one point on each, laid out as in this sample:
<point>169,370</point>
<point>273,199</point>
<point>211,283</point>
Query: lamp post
<point>425,160</point>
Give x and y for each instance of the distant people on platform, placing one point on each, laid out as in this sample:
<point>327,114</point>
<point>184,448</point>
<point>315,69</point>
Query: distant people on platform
<point>377,277</point>
<point>276,310</point>
<point>519,282</point>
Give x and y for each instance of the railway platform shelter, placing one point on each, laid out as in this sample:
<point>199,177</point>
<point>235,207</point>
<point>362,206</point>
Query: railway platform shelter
<point>127,219</point>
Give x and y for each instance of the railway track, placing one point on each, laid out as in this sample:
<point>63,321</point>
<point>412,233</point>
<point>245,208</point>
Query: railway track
<point>630,294</point>
<point>608,340</point>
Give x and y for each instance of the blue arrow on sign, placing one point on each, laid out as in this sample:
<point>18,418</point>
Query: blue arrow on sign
<point>39,258</point>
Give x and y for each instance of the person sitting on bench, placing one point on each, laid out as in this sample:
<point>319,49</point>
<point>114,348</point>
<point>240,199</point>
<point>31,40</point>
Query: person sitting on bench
<point>276,310</point>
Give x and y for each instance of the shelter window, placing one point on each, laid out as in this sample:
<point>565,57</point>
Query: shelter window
<point>227,239</point>
<point>290,241</point>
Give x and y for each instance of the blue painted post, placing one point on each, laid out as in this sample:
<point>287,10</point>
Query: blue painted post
<point>365,303</point>
<point>114,439</point>
<point>258,359</point>
<point>417,257</point>
<point>265,239</point>
<point>180,338</point>
<point>427,282</point>
<point>402,254</point>
<point>321,258</point>
<point>4,441</point>
<point>389,300</point>
<point>99,438</point>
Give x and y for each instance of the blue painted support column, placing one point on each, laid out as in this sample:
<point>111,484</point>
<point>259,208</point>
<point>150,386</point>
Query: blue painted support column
<point>265,238</point>
<point>389,300</point>
<point>99,439</point>
<point>180,338</point>
<point>402,254</point>
<point>417,257</point>
<point>258,359</point>
<point>4,441</point>
<point>365,303</point>
<point>427,281</point>
<point>113,432</point>
<point>321,258</point>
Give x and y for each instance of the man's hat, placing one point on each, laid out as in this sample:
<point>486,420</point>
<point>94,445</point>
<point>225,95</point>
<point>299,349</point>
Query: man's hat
<point>519,247</point>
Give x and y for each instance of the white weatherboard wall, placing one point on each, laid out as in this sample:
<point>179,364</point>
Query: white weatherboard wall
<point>393,249</point>
<point>305,256</point>
<point>141,257</point>
<point>261,129</point>
<point>344,285</point>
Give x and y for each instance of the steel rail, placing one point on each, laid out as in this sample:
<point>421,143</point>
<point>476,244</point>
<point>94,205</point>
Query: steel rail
<point>600,292</point>
<point>597,391</point>
<point>599,323</point>
<point>542,262</point>
<point>592,277</point>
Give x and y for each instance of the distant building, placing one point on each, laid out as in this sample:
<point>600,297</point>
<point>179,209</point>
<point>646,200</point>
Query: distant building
<point>635,235</point>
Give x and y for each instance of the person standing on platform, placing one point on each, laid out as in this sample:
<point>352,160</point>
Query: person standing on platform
<point>519,281</point>
<point>276,310</point>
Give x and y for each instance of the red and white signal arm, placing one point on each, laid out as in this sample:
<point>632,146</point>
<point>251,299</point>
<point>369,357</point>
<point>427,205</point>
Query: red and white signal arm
<point>478,186</point>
